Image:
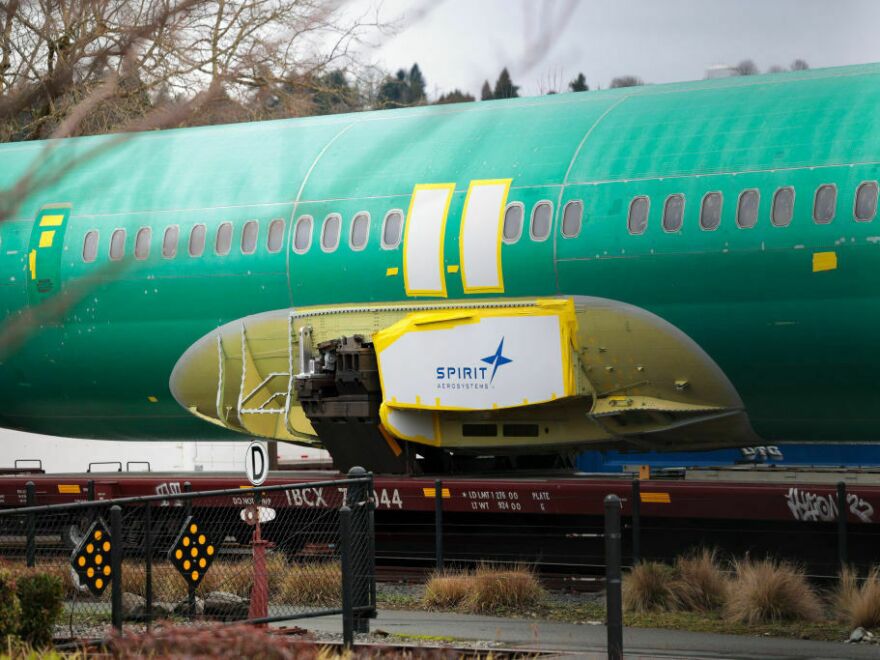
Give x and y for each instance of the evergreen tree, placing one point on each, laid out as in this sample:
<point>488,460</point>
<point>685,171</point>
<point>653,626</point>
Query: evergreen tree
<point>746,68</point>
<point>455,96</point>
<point>416,85</point>
<point>579,84</point>
<point>486,92</point>
<point>799,65</point>
<point>393,91</point>
<point>626,81</point>
<point>504,87</point>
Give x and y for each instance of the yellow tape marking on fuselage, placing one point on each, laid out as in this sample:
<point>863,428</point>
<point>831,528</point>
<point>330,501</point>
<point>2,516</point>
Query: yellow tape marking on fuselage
<point>391,272</point>
<point>69,489</point>
<point>32,264</point>
<point>51,221</point>
<point>656,498</point>
<point>824,261</point>
<point>452,269</point>
<point>432,492</point>
<point>46,239</point>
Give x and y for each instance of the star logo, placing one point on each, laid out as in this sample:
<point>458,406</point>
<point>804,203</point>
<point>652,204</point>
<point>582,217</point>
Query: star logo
<point>497,360</point>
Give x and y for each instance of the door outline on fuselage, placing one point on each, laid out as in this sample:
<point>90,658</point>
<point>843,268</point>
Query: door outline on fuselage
<point>45,250</point>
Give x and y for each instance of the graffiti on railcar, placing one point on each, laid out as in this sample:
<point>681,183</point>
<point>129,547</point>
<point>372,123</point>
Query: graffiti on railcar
<point>808,506</point>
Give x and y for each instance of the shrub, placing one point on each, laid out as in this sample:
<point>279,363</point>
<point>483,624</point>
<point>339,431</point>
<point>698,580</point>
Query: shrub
<point>41,596</point>
<point>768,590</point>
<point>858,605</point>
<point>493,589</point>
<point>649,586</point>
<point>10,606</point>
<point>447,590</point>
<point>313,584</point>
<point>700,584</point>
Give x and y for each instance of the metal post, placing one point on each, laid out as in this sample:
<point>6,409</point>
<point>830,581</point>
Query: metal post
<point>371,547</point>
<point>148,562</point>
<point>347,595</point>
<point>191,588</point>
<point>613,595</point>
<point>438,523</point>
<point>842,511</point>
<point>357,499</point>
<point>636,521</point>
<point>116,566</point>
<point>31,524</point>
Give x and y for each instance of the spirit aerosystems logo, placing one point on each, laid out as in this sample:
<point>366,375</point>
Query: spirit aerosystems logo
<point>472,377</point>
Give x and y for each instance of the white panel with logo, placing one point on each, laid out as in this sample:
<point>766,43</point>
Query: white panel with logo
<point>470,360</point>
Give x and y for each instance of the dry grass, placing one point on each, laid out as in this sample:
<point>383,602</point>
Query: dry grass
<point>488,589</point>
<point>313,584</point>
<point>447,590</point>
<point>769,591</point>
<point>650,587</point>
<point>700,584</point>
<point>858,605</point>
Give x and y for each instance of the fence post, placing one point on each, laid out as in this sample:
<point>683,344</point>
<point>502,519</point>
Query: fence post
<point>357,499</point>
<point>613,596</point>
<point>191,589</point>
<point>636,521</point>
<point>31,524</point>
<point>116,566</point>
<point>438,523</point>
<point>347,605</point>
<point>842,510</point>
<point>371,546</point>
<point>148,562</point>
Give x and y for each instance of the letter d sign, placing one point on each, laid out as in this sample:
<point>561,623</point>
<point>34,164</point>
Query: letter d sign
<point>256,463</point>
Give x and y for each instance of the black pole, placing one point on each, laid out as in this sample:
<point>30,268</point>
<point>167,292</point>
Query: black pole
<point>842,511</point>
<point>31,524</point>
<point>371,546</point>
<point>116,566</point>
<point>191,588</point>
<point>148,562</point>
<point>438,523</point>
<point>636,521</point>
<point>347,595</point>
<point>613,596</point>
<point>357,499</point>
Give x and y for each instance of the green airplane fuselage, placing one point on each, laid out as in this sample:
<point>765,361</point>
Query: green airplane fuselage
<point>791,314</point>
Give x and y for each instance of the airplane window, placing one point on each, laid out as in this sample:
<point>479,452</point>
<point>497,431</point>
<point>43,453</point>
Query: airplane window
<point>142,243</point>
<point>330,232</point>
<point>197,240</point>
<point>825,204</point>
<point>302,234</point>
<point>276,235</point>
<point>223,242</point>
<point>360,231</point>
<point>673,212</point>
<point>866,201</point>
<point>391,229</point>
<point>117,244</point>
<point>90,246</point>
<point>169,242</point>
<point>783,207</point>
<point>249,237</point>
<point>747,209</point>
<point>710,214</point>
<point>572,216</point>
<point>513,222</point>
<point>637,221</point>
<point>541,217</point>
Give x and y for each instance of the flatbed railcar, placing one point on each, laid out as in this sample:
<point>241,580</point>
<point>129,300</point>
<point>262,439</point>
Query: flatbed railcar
<point>547,520</point>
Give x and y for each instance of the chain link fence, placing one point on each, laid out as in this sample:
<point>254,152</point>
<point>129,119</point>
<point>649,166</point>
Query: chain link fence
<point>261,555</point>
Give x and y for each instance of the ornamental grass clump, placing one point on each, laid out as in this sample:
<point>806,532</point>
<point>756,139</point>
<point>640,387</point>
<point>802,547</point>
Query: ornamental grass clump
<point>494,589</point>
<point>700,584</point>
<point>770,591</point>
<point>447,590</point>
<point>315,584</point>
<point>858,604</point>
<point>649,587</point>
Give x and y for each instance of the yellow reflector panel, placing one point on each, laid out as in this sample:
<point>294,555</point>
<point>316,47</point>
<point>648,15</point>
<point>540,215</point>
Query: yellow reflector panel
<point>51,220</point>
<point>656,498</point>
<point>69,489</point>
<point>824,261</point>
<point>46,239</point>
<point>432,492</point>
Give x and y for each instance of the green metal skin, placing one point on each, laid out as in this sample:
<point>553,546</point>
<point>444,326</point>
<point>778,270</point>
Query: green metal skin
<point>799,346</point>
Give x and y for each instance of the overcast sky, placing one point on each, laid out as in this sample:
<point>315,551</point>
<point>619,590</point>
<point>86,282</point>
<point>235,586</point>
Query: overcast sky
<point>545,43</point>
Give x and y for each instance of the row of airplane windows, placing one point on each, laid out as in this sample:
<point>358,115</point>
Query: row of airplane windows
<point>781,208</point>
<point>781,213</point>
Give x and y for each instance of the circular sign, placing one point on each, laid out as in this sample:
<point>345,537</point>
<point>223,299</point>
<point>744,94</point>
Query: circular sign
<point>256,463</point>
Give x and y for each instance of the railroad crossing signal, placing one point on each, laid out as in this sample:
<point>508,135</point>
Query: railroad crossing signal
<point>192,552</point>
<point>91,559</point>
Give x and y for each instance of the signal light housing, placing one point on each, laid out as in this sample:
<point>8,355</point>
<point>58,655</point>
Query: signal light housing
<point>192,553</point>
<point>91,558</point>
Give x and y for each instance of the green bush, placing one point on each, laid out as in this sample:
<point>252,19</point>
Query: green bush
<point>41,596</point>
<point>10,608</point>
